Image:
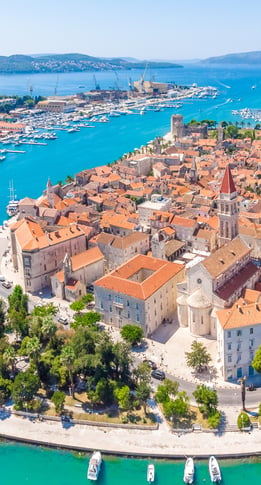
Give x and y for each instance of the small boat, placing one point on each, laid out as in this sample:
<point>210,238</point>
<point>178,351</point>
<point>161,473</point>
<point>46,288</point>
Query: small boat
<point>2,158</point>
<point>214,470</point>
<point>150,473</point>
<point>94,466</point>
<point>189,471</point>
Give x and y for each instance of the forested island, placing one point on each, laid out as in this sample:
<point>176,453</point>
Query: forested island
<point>71,63</point>
<point>239,58</point>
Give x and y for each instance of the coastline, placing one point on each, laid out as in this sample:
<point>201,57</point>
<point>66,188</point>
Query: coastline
<point>161,443</point>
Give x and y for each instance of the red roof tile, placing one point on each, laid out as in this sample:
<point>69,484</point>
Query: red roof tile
<point>227,186</point>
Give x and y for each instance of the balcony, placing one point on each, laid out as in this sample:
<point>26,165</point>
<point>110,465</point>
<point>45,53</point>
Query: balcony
<point>118,304</point>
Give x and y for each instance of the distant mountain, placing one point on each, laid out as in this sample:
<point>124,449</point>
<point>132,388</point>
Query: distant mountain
<point>241,58</point>
<point>71,63</point>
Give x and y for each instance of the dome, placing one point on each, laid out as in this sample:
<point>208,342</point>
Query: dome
<point>198,300</point>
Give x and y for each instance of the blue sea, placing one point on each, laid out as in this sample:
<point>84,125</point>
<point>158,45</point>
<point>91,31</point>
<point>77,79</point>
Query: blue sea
<point>72,152</point>
<point>27,465</point>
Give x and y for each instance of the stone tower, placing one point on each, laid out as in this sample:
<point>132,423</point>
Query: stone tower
<point>177,126</point>
<point>227,209</point>
<point>67,268</point>
<point>193,173</point>
<point>49,193</point>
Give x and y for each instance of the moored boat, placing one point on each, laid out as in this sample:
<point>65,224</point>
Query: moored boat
<point>214,470</point>
<point>13,204</point>
<point>189,471</point>
<point>94,466</point>
<point>150,473</point>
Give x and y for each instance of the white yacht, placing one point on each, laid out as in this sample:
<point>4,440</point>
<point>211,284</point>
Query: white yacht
<point>189,471</point>
<point>150,473</point>
<point>94,466</point>
<point>12,206</point>
<point>214,470</point>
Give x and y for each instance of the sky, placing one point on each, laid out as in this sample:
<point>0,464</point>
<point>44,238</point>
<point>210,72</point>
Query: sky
<point>144,29</point>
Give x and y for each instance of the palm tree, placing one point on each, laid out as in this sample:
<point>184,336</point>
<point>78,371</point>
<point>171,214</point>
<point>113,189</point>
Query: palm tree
<point>33,348</point>
<point>9,357</point>
<point>48,328</point>
<point>67,358</point>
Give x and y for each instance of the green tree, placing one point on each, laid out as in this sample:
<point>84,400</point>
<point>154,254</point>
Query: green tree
<point>256,362</point>
<point>58,399</point>
<point>162,394</point>
<point>9,358</point>
<point>25,386</point>
<point>5,389</point>
<point>198,358</point>
<point>214,420</point>
<point>67,358</point>
<point>207,399</point>
<point>243,420</point>
<point>69,179</point>
<point>142,373</point>
<point>86,320</point>
<point>88,298</point>
<point>18,300</point>
<point>181,404</point>
<point>77,306</point>
<point>133,334</point>
<point>48,328</point>
<point>45,310</point>
<point>105,391</point>
<point>124,397</point>
<point>143,394</point>
<point>31,346</point>
<point>122,361</point>
<point>2,317</point>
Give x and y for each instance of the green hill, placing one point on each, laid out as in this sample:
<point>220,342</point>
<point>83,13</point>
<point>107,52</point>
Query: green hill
<point>70,63</point>
<point>240,58</point>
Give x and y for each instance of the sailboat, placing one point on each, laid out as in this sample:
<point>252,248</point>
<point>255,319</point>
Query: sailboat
<point>12,206</point>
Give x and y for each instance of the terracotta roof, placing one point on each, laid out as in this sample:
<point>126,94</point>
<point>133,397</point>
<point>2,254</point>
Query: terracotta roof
<point>240,316</point>
<point>227,186</point>
<point>86,258</point>
<point>236,282</point>
<point>225,257</point>
<point>120,280</point>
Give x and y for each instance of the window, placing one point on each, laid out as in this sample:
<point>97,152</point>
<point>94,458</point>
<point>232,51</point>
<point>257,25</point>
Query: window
<point>128,314</point>
<point>27,261</point>
<point>137,306</point>
<point>101,305</point>
<point>44,267</point>
<point>239,357</point>
<point>238,346</point>
<point>239,333</point>
<point>229,346</point>
<point>109,296</point>
<point>251,330</point>
<point>128,303</point>
<point>251,342</point>
<point>110,309</point>
<point>137,318</point>
<point>229,358</point>
<point>251,355</point>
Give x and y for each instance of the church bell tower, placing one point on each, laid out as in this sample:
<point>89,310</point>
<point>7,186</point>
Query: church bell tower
<point>227,209</point>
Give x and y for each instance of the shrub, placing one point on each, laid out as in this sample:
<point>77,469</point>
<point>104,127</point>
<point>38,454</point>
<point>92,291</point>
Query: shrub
<point>214,420</point>
<point>243,421</point>
<point>259,409</point>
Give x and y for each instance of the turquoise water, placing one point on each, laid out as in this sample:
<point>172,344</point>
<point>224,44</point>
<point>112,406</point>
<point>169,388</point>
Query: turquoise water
<point>72,152</point>
<point>26,465</point>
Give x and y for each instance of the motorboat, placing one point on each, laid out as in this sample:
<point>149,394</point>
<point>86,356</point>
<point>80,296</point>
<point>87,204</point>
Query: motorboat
<point>94,466</point>
<point>214,470</point>
<point>150,473</point>
<point>189,471</point>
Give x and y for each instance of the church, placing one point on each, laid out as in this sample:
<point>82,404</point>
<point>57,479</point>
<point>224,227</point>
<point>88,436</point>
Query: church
<point>216,282</point>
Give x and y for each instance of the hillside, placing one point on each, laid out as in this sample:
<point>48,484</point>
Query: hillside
<point>240,58</point>
<point>70,63</point>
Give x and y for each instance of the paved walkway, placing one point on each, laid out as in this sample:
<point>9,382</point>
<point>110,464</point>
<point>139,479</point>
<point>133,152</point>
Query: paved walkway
<point>161,442</point>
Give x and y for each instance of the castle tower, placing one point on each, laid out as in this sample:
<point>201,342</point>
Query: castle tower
<point>49,193</point>
<point>227,209</point>
<point>177,126</point>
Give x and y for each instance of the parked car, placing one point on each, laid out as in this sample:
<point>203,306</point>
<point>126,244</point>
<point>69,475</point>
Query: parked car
<point>7,285</point>
<point>63,320</point>
<point>158,374</point>
<point>2,278</point>
<point>150,363</point>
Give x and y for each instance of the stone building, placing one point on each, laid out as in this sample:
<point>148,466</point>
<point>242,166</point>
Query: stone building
<point>141,291</point>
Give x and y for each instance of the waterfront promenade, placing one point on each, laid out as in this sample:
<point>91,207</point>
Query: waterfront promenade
<point>161,443</point>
